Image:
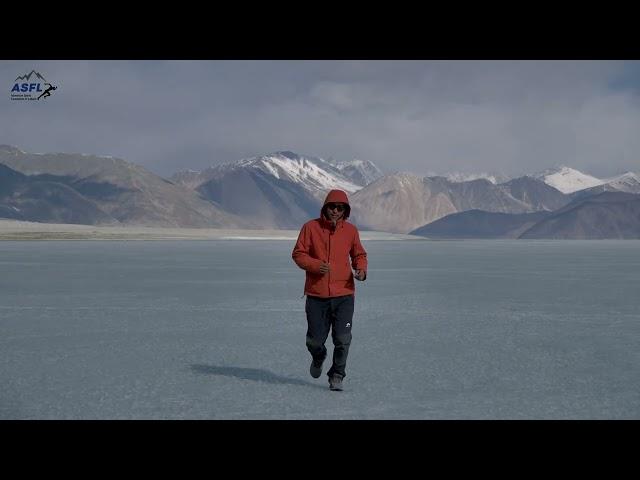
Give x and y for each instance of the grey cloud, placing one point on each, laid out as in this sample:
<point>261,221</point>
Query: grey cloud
<point>422,116</point>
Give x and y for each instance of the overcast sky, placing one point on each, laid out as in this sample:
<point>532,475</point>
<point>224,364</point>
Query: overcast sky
<point>425,117</point>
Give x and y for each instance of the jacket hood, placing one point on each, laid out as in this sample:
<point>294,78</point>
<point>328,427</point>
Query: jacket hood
<point>337,196</point>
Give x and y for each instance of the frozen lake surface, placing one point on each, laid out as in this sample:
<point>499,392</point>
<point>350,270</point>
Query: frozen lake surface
<point>216,330</point>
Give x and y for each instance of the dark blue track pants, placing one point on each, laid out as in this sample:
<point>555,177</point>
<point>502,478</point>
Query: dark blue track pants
<point>335,314</point>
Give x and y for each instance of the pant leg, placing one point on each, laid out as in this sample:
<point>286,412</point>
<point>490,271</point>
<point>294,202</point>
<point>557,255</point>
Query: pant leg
<point>341,322</point>
<point>318,312</point>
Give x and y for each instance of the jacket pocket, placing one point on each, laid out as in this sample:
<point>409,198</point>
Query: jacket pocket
<point>342,271</point>
<point>316,284</point>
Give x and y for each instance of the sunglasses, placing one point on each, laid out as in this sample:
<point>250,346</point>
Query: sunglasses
<point>336,206</point>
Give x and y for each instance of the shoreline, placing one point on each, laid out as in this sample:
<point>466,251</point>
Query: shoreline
<point>16,230</point>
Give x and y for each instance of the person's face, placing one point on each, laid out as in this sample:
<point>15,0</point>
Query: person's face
<point>335,211</point>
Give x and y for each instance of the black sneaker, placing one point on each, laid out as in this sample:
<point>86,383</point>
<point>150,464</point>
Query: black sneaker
<point>335,382</point>
<point>316,368</point>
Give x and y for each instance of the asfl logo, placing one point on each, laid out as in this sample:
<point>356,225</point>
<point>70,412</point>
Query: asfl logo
<point>31,86</point>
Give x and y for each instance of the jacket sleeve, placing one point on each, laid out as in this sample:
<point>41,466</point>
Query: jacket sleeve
<point>358,255</point>
<point>301,255</point>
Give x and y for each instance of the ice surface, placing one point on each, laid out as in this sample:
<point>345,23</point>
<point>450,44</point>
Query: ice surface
<point>216,330</point>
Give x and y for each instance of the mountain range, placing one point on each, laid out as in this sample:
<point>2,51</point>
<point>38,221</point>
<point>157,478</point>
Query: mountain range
<point>480,224</point>
<point>281,190</point>
<point>118,192</point>
<point>284,189</point>
<point>402,202</point>
<point>605,215</point>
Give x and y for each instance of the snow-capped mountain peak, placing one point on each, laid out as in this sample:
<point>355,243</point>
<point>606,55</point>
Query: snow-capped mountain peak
<point>313,173</point>
<point>458,177</point>
<point>627,176</point>
<point>360,172</point>
<point>627,182</point>
<point>568,180</point>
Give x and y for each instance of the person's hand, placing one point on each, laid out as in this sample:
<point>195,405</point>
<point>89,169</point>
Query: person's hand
<point>324,268</point>
<point>359,275</point>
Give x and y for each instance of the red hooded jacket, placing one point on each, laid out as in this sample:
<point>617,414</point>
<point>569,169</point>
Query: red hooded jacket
<point>319,242</point>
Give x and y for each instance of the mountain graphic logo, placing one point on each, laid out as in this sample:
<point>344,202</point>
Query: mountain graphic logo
<point>27,77</point>
<point>31,86</point>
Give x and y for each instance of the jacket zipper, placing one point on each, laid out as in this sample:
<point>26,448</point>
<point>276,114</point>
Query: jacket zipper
<point>328,261</point>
